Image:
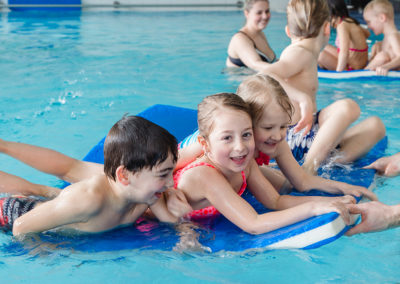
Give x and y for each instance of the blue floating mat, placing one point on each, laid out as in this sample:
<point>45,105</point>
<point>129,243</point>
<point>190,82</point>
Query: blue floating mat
<point>356,74</point>
<point>219,234</point>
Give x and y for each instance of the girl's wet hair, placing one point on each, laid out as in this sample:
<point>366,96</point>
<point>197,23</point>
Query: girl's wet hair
<point>305,18</point>
<point>338,9</point>
<point>259,90</point>
<point>136,143</point>
<point>208,108</point>
<point>248,4</point>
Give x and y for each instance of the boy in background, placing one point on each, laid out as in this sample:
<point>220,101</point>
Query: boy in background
<point>309,29</point>
<point>385,55</point>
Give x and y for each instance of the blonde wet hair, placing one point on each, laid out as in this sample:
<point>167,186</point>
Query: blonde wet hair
<point>381,7</point>
<point>248,4</point>
<point>259,90</point>
<point>305,18</point>
<point>210,105</point>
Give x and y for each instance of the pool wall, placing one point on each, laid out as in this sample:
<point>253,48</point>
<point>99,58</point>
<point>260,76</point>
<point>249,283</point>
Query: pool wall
<point>188,4</point>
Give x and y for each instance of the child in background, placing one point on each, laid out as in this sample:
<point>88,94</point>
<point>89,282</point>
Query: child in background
<point>351,51</point>
<point>249,46</point>
<point>214,182</point>
<point>309,29</point>
<point>139,160</point>
<point>385,55</point>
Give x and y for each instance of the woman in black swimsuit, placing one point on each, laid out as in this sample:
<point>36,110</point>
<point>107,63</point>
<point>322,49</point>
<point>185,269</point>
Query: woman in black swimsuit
<point>249,47</point>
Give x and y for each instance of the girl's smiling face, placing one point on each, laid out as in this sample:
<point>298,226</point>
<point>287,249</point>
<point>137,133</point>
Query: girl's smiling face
<point>259,15</point>
<point>271,129</point>
<point>230,144</point>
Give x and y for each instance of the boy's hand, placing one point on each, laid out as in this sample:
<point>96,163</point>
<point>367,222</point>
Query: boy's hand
<point>306,119</point>
<point>177,203</point>
<point>381,71</point>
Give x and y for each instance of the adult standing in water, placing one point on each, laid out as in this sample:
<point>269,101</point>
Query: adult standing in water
<point>375,215</point>
<point>249,46</point>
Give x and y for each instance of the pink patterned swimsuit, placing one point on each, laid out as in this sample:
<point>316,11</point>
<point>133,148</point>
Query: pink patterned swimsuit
<point>209,211</point>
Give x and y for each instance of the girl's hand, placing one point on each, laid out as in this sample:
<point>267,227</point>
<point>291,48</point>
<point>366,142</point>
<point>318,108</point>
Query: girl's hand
<point>335,205</point>
<point>358,191</point>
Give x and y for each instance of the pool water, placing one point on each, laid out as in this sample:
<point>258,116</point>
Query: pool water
<point>66,78</point>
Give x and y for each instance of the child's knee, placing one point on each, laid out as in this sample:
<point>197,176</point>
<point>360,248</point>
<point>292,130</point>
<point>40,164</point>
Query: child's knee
<point>350,109</point>
<point>377,126</point>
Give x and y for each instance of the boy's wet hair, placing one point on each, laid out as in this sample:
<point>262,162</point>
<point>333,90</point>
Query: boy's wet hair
<point>248,4</point>
<point>259,90</point>
<point>207,110</point>
<point>136,143</point>
<point>381,6</point>
<point>305,18</point>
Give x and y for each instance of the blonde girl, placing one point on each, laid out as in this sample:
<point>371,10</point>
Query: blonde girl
<point>272,111</point>
<point>249,46</point>
<point>214,182</point>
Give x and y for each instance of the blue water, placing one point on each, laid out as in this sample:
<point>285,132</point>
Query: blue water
<point>66,78</point>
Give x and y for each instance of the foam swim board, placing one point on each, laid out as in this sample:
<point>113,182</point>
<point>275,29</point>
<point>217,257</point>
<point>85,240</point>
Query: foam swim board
<point>355,74</point>
<point>219,234</point>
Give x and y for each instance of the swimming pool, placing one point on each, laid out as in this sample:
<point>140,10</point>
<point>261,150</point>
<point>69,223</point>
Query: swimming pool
<point>66,78</point>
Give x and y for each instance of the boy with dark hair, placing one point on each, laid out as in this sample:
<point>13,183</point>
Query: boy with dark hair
<point>139,160</point>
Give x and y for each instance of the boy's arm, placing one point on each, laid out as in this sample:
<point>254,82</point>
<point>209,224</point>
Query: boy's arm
<point>63,210</point>
<point>171,206</point>
<point>288,66</point>
<point>394,63</point>
<point>50,162</point>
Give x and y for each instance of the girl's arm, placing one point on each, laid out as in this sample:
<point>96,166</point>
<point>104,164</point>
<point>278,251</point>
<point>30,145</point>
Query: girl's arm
<point>344,36</point>
<point>217,190</point>
<point>266,194</point>
<point>303,181</point>
<point>50,162</point>
<point>15,185</point>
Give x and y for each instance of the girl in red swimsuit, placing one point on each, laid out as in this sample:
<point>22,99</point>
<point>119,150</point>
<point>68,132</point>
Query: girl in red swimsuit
<point>351,51</point>
<point>271,111</point>
<point>218,177</point>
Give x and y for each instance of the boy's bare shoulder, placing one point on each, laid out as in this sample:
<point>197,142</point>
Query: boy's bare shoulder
<point>295,51</point>
<point>87,192</point>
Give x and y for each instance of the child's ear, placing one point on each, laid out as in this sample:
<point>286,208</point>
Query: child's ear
<point>287,31</point>
<point>122,175</point>
<point>327,29</point>
<point>382,17</point>
<point>203,143</point>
